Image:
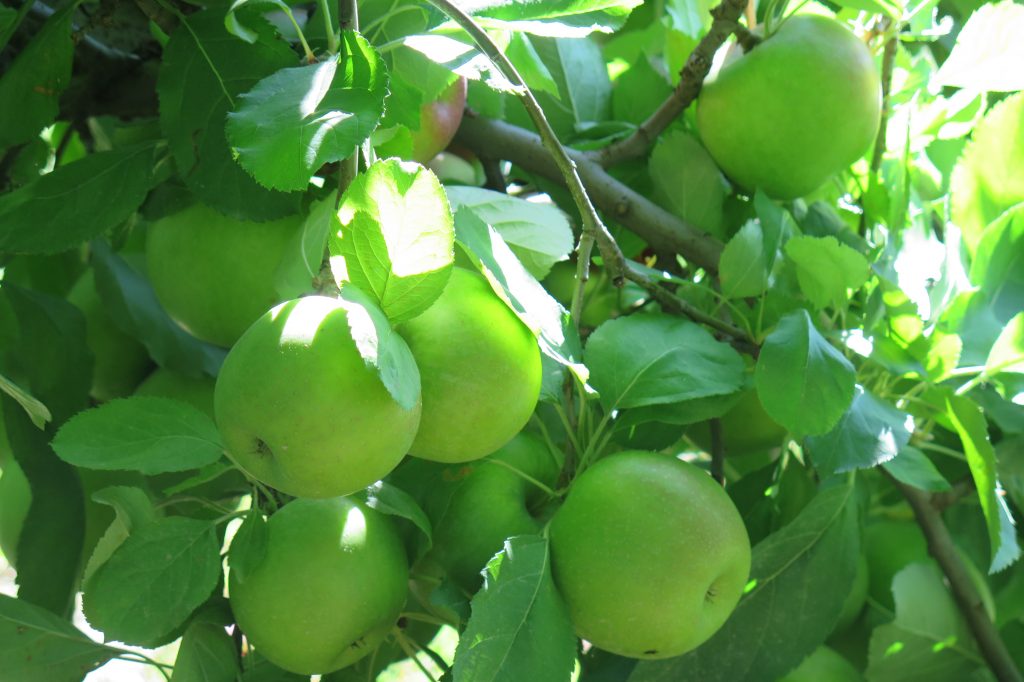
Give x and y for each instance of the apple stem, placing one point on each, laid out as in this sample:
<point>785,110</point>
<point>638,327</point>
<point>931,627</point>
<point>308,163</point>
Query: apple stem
<point>943,549</point>
<point>523,475</point>
<point>410,652</point>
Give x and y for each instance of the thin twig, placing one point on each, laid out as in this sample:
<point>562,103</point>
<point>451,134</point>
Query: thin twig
<point>614,261</point>
<point>698,64</point>
<point>348,19</point>
<point>662,230</point>
<point>942,548</point>
<point>717,452</point>
<point>888,63</point>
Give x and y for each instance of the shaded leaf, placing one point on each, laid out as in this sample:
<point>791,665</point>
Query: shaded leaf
<point>249,545</point>
<point>870,433</point>
<point>206,654</point>
<point>914,468</point>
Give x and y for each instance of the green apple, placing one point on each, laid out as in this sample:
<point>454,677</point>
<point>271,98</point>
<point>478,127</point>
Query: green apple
<point>890,545</point>
<point>480,371</point>
<point>475,507</point>
<point>438,121</point>
<point>746,429</point>
<point>329,588</point>
<point>600,298</point>
<point>214,274</point>
<point>298,408</point>
<point>824,665</point>
<point>120,362</point>
<point>798,108</point>
<point>650,555</point>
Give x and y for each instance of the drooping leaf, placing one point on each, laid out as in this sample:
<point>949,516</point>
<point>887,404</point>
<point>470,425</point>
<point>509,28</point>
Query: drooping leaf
<point>203,71</point>
<point>1007,354</point>
<point>381,347</point>
<point>295,274</point>
<point>743,267</point>
<point>871,432</point>
<point>249,545</point>
<point>141,433</point>
<point>340,102</point>
<point>538,234</point>
<point>914,468</point>
<point>519,628</point>
<point>37,412</point>
<point>798,581</point>
<point>133,509</point>
<point>987,51</point>
<point>151,584</point>
<point>37,646</point>
<point>826,269</point>
<point>804,383</point>
<point>969,422</point>
<point>397,238</point>
<point>644,360</point>
<point>998,266</point>
<point>36,79</point>
<point>392,500</point>
<point>206,654</point>
<point>688,182</point>
<point>134,307</point>
<point>76,202</point>
<point>525,295</point>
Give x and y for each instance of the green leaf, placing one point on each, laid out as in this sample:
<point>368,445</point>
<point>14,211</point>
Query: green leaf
<point>296,273</point>
<point>988,51</point>
<point>133,510</point>
<point>803,382</point>
<point>75,202</point>
<point>870,433</point>
<point>928,640</point>
<point>654,359</point>
<point>826,269</point>
<point>985,181</point>
<point>259,669</point>
<point>392,500</point>
<point>777,225</point>
<point>31,86</point>
<point>914,468</point>
<point>520,628</point>
<point>538,234</point>
<point>142,433</point>
<point>151,584</point>
<point>1007,354</point>
<point>340,102</point>
<point>576,18</point>
<point>36,411</point>
<point>249,545</point>
<point>526,297</point>
<point>203,71</point>
<point>799,579</point>
<point>969,422</point>
<point>743,268</point>
<point>38,646</point>
<point>891,10</point>
<point>134,307</point>
<point>998,266</point>
<point>381,347</point>
<point>682,413</point>
<point>578,70</point>
<point>687,181</point>
<point>206,654</point>
<point>240,11</point>
<point>397,238</point>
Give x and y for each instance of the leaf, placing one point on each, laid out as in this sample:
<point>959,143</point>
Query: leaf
<point>249,546</point>
<point>688,181</point>
<point>557,19</point>
<point>870,433</point>
<point>985,181</point>
<point>1007,354</point>
<point>133,510</point>
<point>526,297</point>
<point>799,579</point>
<point>777,225</point>
<point>75,202</point>
<point>38,646</point>
<point>519,628</point>
<point>803,382</point>
<point>969,422</point>
<point>141,433</point>
<point>928,640</point>
<point>743,269</point>
<point>295,274</point>
<point>204,69</point>
<point>654,359</point>
<point>538,234</point>
<point>133,305</point>
<point>151,584</point>
<point>238,14</point>
<point>988,51</point>
<point>206,654</point>
<point>31,86</point>
<point>381,347</point>
<point>397,238</point>
<point>682,413</point>
<point>392,500</point>
<point>580,75</point>
<point>339,101</point>
<point>826,269</point>
<point>998,266</point>
<point>37,412</point>
<point>914,468</point>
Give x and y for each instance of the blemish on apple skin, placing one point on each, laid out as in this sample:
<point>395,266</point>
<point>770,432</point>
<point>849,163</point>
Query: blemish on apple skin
<point>262,448</point>
<point>650,652</point>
